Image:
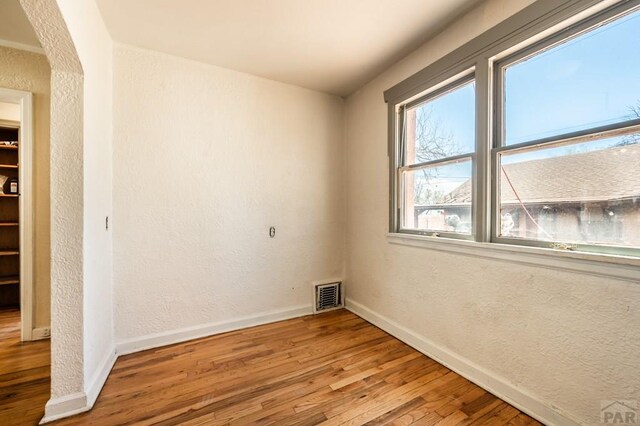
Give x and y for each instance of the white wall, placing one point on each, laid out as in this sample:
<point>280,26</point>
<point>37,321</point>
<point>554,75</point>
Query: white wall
<point>205,161</point>
<point>94,47</point>
<point>569,340</point>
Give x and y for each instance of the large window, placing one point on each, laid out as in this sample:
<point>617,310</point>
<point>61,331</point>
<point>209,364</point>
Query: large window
<point>539,146</point>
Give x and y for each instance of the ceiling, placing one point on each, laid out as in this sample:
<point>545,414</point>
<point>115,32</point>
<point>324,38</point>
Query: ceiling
<point>334,46</point>
<point>15,27</point>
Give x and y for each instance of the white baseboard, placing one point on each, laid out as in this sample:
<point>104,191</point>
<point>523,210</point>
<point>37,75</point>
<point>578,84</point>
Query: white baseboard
<point>58,408</point>
<point>68,405</point>
<point>150,341</point>
<point>525,401</point>
<point>100,377</point>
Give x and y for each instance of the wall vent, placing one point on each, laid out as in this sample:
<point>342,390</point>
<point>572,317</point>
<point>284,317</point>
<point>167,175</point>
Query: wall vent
<point>327,296</point>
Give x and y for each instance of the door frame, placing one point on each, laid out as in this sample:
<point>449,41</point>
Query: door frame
<point>25,201</point>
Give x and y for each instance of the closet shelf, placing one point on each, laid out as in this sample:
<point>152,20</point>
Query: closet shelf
<point>11,279</point>
<point>10,226</point>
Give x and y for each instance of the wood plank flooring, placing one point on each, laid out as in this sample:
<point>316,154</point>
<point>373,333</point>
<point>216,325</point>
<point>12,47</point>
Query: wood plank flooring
<point>330,369</point>
<point>24,373</point>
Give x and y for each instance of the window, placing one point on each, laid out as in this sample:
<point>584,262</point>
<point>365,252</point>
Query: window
<point>438,138</point>
<point>539,146</point>
<point>569,142</point>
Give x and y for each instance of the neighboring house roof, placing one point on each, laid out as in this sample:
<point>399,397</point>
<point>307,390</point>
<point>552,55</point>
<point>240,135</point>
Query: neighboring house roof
<point>607,174</point>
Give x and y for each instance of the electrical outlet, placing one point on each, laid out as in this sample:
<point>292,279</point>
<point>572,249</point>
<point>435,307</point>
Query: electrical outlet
<point>41,333</point>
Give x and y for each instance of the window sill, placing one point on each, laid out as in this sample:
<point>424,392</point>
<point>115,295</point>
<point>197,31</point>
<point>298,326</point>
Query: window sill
<point>619,267</point>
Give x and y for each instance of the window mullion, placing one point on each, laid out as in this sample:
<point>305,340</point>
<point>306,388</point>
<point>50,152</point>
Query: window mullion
<point>482,162</point>
<point>396,121</point>
<point>495,142</point>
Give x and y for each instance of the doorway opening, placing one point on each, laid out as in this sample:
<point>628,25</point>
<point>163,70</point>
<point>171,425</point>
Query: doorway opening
<point>16,209</point>
<point>25,272</point>
<point>25,356</point>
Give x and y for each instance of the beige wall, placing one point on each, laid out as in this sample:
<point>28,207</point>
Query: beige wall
<point>30,72</point>
<point>9,111</point>
<point>568,340</point>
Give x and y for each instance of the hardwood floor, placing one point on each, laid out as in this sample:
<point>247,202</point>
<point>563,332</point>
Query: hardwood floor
<point>24,373</point>
<point>330,369</point>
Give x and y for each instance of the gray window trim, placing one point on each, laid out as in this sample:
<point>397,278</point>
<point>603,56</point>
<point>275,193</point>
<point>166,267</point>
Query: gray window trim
<point>596,264</point>
<point>527,23</point>
<point>480,55</point>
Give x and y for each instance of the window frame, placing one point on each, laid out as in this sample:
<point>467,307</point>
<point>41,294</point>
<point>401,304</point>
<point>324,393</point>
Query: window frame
<point>499,145</point>
<point>630,126</point>
<point>458,82</point>
<point>535,28</point>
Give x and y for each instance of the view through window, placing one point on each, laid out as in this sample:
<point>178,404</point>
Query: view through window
<point>439,141</point>
<point>582,189</point>
<point>560,163</point>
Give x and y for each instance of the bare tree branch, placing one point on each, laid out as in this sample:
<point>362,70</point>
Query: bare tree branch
<point>432,142</point>
<point>632,138</point>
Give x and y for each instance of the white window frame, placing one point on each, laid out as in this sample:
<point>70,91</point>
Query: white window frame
<point>500,147</point>
<point>458,82</point>
<point>543,23</point>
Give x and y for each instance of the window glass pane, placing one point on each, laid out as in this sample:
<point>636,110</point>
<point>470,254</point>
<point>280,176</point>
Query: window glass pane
<point>584,193</point>
<point>589,81</point>
<point>441,127</point>
<point>438,198</point>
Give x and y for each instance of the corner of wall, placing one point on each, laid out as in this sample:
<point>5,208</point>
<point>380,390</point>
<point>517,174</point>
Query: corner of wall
<point>65,406</point>
<point>501,387</point>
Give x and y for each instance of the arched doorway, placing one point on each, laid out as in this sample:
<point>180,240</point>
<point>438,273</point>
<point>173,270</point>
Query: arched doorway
<point>66,156</point>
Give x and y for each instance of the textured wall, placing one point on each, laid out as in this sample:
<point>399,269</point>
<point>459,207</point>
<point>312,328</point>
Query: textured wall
<point>95,51</point>
<point>79,50</point>
<point>205,161</point>
<point>570,339</point>
<point>67,323</point>
<point>67,375</point>
<point>30,72</point>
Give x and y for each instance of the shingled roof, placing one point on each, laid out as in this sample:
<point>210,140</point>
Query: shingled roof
<point>604,175</point>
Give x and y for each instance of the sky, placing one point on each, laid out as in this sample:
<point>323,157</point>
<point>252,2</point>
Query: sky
<point>586,82</point>
<point>589,81</point>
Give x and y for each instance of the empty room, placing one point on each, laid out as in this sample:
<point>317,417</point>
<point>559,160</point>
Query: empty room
<point>320,212</point>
